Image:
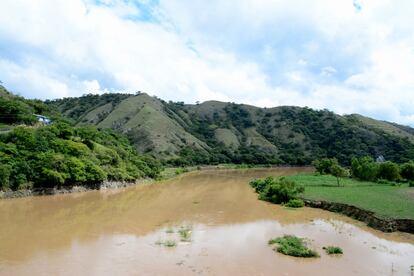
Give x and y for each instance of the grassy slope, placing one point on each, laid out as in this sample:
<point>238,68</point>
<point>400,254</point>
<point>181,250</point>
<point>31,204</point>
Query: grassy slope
<point>227,137</point>
<point>384,200</point>
<point>143,117</point>
<point>384,126</point>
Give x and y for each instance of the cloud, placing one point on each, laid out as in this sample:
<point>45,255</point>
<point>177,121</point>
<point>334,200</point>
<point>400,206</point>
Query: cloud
<point>347,56</point>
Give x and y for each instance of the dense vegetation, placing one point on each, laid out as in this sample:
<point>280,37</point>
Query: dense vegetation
<point>60,155</point>
<point>293,246</point>
<point>216,132</point>
<point>277,190</point>
<point>366,169</point>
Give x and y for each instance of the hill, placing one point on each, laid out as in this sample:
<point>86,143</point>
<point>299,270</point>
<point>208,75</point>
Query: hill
<point>35,155</point>
<point>217,132</point>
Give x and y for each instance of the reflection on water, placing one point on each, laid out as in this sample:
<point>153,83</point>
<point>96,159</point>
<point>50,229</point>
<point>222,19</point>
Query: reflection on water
<point>116,232</point>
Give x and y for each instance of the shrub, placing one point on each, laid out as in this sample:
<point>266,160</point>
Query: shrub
<point>5,171</point>
<point>293,246</point>
<point>411,184</point>
<point>383,181</point>
<point>330,250</point>
<point>295,203</point>
<point>389,171</point>
<point>53,178</point>
<point>179,171</point>
<point>276,190</point>
<point>94,174</point>
<point>407,170</point>
<point>364,168</point>
<point>260,184</point>
<point>76,169</point>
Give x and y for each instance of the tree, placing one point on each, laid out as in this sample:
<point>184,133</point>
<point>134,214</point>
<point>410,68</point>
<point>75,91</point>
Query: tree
<point>364,168</point>
<point>325,165</point>
<point>407,171</point>
<point>389,171</point>
<point>338,172</point>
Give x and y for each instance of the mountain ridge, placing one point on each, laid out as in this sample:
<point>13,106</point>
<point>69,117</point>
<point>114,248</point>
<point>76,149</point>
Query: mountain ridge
<point>220,132</point>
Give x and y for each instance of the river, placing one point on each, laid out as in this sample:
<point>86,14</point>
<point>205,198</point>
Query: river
<point>124,232</point>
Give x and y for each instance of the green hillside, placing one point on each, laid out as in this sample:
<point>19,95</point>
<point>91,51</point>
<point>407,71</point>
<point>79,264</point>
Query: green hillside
<point>217,132</point>
<point>35,155</point>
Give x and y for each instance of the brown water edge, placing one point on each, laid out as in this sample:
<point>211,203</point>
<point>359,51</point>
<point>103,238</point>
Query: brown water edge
<point>73,189</point>
<point>104,232</point>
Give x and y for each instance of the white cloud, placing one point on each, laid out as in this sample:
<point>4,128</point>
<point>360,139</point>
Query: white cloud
<point>330,54</point>
<point>41,84</point>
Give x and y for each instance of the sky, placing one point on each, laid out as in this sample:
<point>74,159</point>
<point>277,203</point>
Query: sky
<point>348,56</point>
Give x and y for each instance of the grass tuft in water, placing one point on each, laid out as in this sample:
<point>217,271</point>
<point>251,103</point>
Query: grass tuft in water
<point>170,243</point>
<point>185,233</point>
<point>293,246</point>
<point>333,250</point>
<point>167,243</point>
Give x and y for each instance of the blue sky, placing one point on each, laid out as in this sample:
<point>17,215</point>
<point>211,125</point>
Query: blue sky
<point>349,56</point>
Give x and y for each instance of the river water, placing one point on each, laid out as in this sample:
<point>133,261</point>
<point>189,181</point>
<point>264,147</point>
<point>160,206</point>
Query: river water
<point>125,232</point>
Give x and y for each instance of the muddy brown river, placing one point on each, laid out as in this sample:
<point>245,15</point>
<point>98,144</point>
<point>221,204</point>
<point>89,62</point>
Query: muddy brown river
<point>127,232</point>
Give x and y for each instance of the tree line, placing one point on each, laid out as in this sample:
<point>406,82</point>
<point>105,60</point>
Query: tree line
<point>365,168</point>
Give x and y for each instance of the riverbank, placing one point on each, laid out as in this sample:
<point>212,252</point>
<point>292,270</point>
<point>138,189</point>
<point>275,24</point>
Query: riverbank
<point>385,207</point>
<point>369,217</point>
<point>74,189</point>
<point>389,201</point>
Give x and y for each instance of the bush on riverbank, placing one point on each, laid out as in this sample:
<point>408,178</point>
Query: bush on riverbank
<point>276,190</point>
<point>293,246</point>
<point>295,203</point>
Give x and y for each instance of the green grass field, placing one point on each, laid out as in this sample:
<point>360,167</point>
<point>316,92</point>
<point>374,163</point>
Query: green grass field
<point>383,199</point>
